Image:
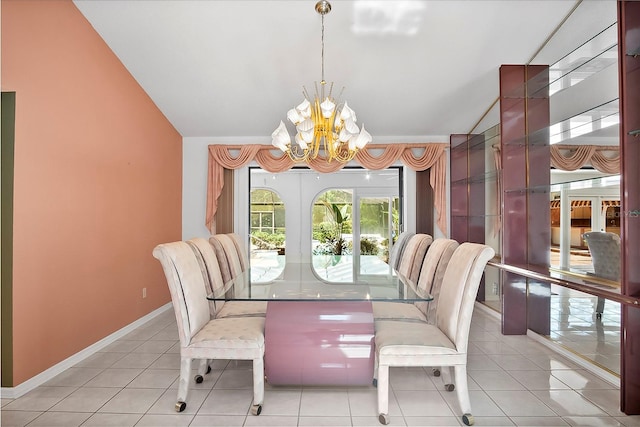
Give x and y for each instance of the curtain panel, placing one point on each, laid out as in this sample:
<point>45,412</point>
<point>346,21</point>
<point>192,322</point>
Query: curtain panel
<point>418,157</point>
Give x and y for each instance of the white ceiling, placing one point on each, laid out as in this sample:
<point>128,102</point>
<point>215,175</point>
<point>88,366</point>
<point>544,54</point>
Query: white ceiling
<point>412,70</point>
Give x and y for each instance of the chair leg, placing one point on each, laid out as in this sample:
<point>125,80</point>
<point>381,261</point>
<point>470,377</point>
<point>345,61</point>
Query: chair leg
<point>375,370</point>
<point>600,307</point>
<point>462,390</point>
<point>383,394</point>
<point>258,386</point>
<point>203,369</point>
<point>183,383</point>
<point>447,378</point>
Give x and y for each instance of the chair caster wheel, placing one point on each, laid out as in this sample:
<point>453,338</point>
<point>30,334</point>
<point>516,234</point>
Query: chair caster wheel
<point>208,369</point>
<point>384,419</point>
<point>198,379</point>
<point>375,382</point>
<point>598,315</point>
<point>180,406</point>
<point>449,387</point>
<point>467,419</point>
<point>436,372</point>
<point>256,409</point>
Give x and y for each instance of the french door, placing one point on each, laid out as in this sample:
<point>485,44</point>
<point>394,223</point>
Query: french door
<point>376,222</point>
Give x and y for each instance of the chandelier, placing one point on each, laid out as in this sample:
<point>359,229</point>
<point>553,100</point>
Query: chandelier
<point>322,122</point>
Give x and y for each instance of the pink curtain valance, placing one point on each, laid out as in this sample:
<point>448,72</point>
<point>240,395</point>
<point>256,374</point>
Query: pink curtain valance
<point>418,157</point>
<point>571,157</point>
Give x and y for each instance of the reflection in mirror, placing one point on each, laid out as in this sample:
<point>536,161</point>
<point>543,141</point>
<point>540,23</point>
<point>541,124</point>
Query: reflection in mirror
<point>591,57</point>
<point>584,145</point>
<point>585,180</point>
<point>578,207</point>
<point>584,191</point>
<point>575,327</point>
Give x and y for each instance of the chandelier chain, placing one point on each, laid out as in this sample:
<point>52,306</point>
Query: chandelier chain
<point>322,51</point>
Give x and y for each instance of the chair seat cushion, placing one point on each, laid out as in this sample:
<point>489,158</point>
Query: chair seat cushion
<point>396,338</point>
<point>231,333</point>
<point>383,310</point>
<point>242,309</point>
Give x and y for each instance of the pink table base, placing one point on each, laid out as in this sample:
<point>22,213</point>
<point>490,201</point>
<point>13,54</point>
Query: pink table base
<point>319,343</point>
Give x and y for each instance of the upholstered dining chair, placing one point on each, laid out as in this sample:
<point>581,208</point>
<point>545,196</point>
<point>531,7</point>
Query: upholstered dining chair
<point>238,338</point>
<point>215,284</point>
<point>229,261</point>
<point>433,266</point>
<point>230,250</point>
<point>605,256</point>
<point>446,247</point>
<point>443,343</point>
<point>221,259</point>
<point>242,251</point>
<point>396,249</point>
<point>443,252</point>
<point>413,255</point>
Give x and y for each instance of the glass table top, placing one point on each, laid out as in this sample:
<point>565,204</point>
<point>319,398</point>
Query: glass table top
<point>298,283</point>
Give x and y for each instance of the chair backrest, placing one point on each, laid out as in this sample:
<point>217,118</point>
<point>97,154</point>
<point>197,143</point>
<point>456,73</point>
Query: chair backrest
<point>450,247</point>
<point>396,249</point>
<point>458,291</point>
<point>605,253</point>
<point>229,247</point>
<point>242,251</point>
<point>211,269</point>
<point>186,286</point>
<point>221,256</point>
<point>413,256</point>
<point>433,268</point>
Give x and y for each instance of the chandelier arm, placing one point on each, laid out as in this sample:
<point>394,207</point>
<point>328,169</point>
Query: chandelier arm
<point>297,154</point>
<point>344,156</point>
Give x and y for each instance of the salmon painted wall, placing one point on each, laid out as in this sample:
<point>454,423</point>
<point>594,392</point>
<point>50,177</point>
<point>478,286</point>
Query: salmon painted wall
<point>98,173</point>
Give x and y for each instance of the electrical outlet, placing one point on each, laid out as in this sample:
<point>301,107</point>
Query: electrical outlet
<point>144,292</point>
<point>496,288</point>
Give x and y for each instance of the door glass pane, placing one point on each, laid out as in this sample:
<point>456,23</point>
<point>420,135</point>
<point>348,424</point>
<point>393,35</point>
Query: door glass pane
<point>376,219</point>
<point>267,236</point>
<point>332,238</point>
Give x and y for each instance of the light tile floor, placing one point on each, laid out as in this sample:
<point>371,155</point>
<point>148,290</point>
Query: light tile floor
<point>513,380</point>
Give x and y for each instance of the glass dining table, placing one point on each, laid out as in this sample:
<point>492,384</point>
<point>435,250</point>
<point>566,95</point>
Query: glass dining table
<point>319,332</point>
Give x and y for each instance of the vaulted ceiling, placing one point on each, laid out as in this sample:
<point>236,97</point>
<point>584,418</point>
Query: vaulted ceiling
<point>412,70</point>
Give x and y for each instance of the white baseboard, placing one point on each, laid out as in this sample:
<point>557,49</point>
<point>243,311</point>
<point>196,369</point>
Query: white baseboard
<point>487,310</point>
<point>584,363</point>
<point>43,377</point>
